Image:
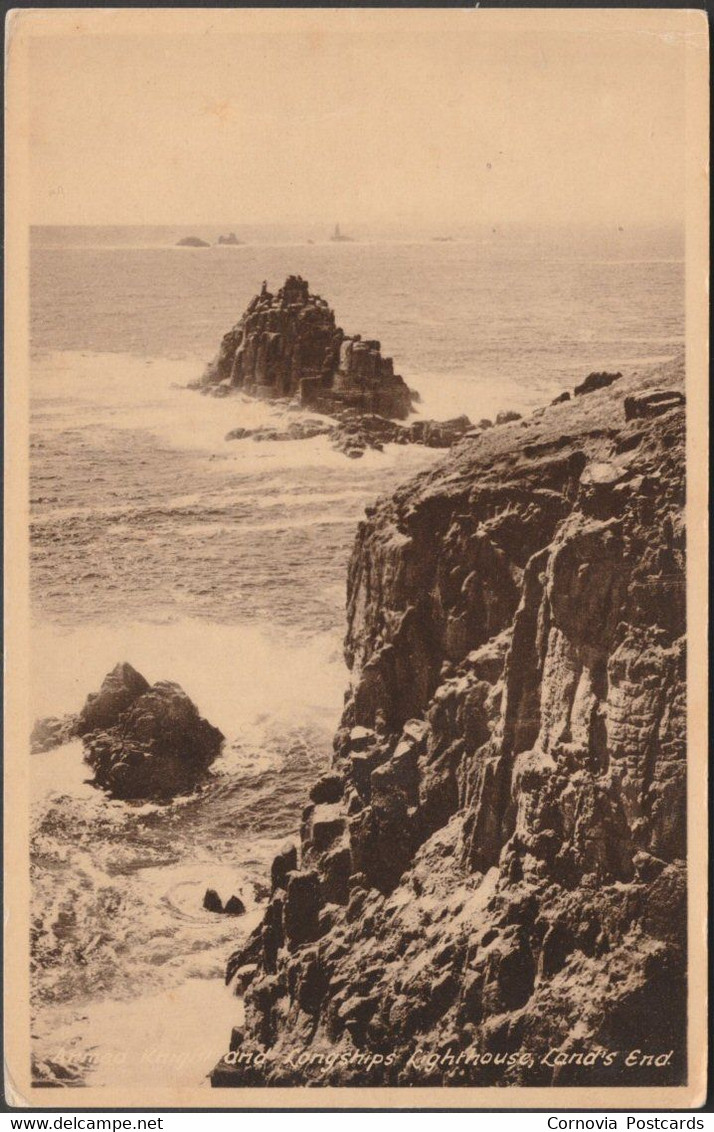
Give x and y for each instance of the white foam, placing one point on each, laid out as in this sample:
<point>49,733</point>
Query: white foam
<point>239,676</point>
<point>75,390</point>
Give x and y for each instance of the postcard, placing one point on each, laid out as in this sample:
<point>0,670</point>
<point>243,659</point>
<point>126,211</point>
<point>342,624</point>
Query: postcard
<point>356,497</point>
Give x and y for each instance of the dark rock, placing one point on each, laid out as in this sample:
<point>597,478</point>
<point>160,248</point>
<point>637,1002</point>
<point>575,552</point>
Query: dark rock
<point>561,398</point>
<point>234,906</point>
<point>156,747</point>
<point>512,758</point>
<point>652,403</point>
<point>507,415</point>
<point>285,863</point>
<point>120,688</point>
<point>302,905</point>
<point>327,789</point>
<point>192,242</point>
<point>596,381</point>
<point>212,901</point>
<point>231,240</point>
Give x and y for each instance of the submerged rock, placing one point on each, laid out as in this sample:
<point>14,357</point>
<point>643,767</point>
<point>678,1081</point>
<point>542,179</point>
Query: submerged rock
<point>145,741</point>
<point>192,242</point>
<point>353,432</point>
<point>233,906</point>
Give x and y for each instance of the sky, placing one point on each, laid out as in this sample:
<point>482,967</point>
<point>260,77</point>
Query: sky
<point>462,116</point>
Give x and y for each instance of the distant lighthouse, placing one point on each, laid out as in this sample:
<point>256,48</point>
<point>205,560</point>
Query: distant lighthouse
<point>338,238</point>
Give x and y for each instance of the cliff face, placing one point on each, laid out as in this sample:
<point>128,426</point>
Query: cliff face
<point>490,885</point>
<point>288,345</point>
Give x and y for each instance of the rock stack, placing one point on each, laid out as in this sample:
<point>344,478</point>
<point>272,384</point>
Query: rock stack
<point>288,345</point>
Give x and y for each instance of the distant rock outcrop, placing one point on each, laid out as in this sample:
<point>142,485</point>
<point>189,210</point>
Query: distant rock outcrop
<point>231,240</point>
<point>288,345</point>
<point>192,242</point>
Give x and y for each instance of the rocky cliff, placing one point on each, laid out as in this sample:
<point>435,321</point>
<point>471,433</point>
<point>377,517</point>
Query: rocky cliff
<point>490,882</point>
<point>289,345</point>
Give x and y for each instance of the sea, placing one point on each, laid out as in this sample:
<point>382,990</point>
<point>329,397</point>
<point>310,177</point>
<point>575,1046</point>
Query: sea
<point>222,564</point>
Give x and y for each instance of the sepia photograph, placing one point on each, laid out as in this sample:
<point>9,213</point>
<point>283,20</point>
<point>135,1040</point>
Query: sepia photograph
<point>356,540</point>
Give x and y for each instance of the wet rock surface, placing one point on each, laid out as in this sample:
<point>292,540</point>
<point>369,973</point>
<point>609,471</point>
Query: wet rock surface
<point>496,861</point>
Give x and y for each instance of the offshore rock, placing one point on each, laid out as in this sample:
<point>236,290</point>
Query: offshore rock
<point>145,741</point>
<point>192,242</point>
<point>497,860</point>
<point>289,345</point>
